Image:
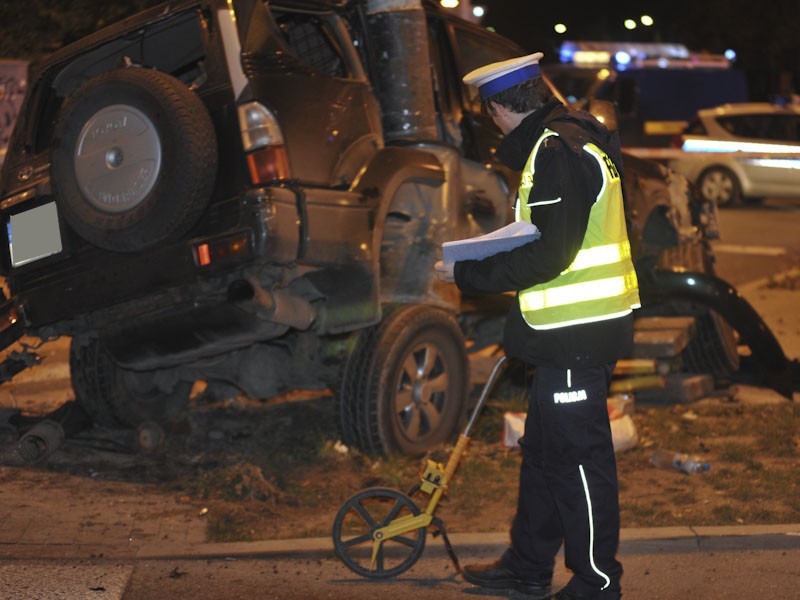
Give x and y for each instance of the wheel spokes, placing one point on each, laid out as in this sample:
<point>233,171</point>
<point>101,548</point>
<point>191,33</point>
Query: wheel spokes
<point>432,415</point>
<point>438,383</point>
<point>422,381</point>
<point>410,369</point>
<point>430,360</point>
<point>392,513</point>
<point>410,542</point>
<point>411,421</point>
<point>393,555</point>
<point>357,541</point>
<point>404,399</point>
<point>364,514</point>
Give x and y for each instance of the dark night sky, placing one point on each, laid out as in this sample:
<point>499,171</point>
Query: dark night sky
<point>764,35</point>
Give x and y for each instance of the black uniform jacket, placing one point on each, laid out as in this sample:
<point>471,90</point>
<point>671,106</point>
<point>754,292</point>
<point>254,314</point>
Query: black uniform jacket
<point>562,170</point>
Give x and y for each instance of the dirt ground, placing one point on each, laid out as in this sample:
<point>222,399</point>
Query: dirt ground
<point>269,470</point>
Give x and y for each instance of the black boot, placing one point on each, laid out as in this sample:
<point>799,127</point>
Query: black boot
<point>498,577</point>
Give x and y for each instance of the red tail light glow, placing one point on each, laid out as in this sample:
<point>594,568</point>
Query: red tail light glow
<point>227,248</point>
<point>268,164</point>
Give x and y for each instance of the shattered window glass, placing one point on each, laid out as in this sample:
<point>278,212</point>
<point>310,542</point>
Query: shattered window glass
<point>310,39</point>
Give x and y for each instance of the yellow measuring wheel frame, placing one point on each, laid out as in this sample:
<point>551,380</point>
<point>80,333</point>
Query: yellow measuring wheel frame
<point>371,518</point>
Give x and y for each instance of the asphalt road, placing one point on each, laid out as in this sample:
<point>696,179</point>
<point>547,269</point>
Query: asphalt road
<point>758,241</point>
<point>711,567</point>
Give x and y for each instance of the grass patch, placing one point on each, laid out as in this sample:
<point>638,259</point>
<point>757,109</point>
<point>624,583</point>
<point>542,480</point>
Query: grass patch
<point>780,436</point>
<point>738,453</point>
<point>684,499</point>
<point>645,515</point>
<point>752,450</point>
<point>397,471</point>
<point>726,514</point>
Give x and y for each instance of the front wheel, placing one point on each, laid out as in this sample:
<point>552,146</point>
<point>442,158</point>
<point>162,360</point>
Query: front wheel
<point>404,386</point>
<point>357,521</point>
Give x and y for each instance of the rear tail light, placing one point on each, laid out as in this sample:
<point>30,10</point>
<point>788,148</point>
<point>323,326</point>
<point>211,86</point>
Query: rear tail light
<point>263,142</point>
<point>224,249</point>
<point>268,164</point>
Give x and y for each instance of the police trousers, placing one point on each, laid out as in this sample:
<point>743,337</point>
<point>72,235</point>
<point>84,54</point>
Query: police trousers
<point>568,491</point>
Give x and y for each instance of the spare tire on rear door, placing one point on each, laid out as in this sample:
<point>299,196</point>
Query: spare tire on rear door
<point>134,159</point>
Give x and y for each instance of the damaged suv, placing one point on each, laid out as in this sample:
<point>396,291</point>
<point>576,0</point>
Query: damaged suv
<point>253,194</point>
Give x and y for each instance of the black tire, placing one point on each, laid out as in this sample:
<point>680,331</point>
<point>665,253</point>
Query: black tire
<point>360,516</point>
<point>720,185</point>
<point>713,348</point>
<point>134,159</point>
<point>394,364</point>
<point>115,397</point>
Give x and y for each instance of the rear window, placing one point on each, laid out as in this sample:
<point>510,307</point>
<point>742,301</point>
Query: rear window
<point>695,127</point>
<point>311,39</point>
<point>763,126</point>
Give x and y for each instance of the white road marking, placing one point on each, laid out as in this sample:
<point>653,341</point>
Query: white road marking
<point>753,250</point>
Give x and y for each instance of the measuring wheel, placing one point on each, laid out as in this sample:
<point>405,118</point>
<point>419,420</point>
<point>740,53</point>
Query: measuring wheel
<point>354,533</point>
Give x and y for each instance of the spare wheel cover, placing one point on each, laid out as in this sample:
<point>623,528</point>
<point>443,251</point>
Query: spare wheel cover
<point>117,158</point>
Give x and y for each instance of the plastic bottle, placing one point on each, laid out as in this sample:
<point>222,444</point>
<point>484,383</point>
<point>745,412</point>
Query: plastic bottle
<point>669,459</point>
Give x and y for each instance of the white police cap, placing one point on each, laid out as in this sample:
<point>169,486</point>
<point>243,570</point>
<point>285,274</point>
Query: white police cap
<point>496,77</point>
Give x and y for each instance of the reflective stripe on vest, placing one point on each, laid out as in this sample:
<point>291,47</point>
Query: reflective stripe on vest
<point>601,282</point>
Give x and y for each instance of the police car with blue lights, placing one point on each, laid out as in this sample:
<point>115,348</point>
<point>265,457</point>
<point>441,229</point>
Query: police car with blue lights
<point>742,152</point>
<point>657,88</point>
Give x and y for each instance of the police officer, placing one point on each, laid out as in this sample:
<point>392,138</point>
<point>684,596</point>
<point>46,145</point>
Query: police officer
<point>576,290</point>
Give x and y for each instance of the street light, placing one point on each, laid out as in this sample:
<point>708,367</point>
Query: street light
<point>630,24</point>
<point>560,28</point>
<point>646,20</point>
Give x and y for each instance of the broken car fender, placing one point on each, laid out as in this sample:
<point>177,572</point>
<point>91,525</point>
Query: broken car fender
<point>721,296</point>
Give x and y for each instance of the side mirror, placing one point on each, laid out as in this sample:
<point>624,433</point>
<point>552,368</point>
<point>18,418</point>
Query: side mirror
<point>605,112</point>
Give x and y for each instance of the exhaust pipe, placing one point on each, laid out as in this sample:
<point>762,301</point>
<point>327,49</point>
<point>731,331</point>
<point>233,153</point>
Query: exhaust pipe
<point>41,441</point>
<point>735,309</point>
<point>278,306</point>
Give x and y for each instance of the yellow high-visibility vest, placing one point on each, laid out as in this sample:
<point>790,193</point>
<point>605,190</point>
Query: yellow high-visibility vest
<point>601,282</point>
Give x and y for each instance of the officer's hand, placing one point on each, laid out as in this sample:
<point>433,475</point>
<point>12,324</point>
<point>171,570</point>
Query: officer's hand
<point>444,271</point>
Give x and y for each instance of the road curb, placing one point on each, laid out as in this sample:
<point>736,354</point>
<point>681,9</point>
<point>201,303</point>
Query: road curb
<point>632,541</point>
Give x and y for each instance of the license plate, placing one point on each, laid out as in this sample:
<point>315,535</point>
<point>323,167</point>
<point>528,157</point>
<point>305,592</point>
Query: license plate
<point>34,234</point>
